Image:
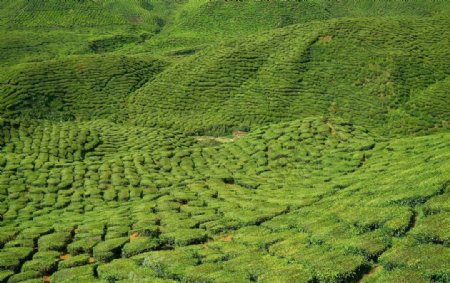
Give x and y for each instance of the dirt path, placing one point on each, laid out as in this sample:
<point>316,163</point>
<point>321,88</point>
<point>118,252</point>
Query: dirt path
<point>376,268</point>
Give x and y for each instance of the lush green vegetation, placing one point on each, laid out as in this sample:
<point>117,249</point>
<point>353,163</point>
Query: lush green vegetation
<point>224,141</point>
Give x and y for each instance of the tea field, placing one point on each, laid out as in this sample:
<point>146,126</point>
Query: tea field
<point>224,141</point>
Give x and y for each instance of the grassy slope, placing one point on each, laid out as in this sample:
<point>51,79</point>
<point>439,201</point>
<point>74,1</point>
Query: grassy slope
<point>40,30</point>
<point>198,23</point>
<point>77,87</point>
<point>285,193</point>
<point>97,158</point>
<point>335,68</point>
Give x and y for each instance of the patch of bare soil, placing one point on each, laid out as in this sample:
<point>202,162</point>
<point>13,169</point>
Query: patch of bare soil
<point>134,236</point>
<point>228,238</point>
<point>64,257</point>
<point>91,260</point>
<point>214,139</point>
<point>376,268</point>
<point>332,130</point>
<point>326,38</point>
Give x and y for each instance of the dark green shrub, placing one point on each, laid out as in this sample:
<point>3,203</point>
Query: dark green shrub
<point>6,235</point>
<point>35,280</point>
<point>10,258</point>
<point>331,265</point>
<point>74,261</point>
<point>407,253</point>
<point>84,245</point>
<point>288,273</point>
<point>146,228</point>
<point>438,204</point>
<point>168,263</point>
<point>46,254</point>
<point>184,237</point>
<point>259,236</point>
<point>5,274</point>
<point>24,276</point>
<point>139,245</point>
<point>116,232</point>
<point>42,265</point>
<point>254,264</point>
<point>20,243</point>
<point>75,274</point>
<point>34,232</point>
<point>121,269</point>
<point>55,241</point>
<point>209,272</point>
<point>109,249</point>
<point>433,228</point>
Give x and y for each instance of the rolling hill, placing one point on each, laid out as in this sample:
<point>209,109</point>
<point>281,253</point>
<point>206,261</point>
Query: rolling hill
<point>224,141</point>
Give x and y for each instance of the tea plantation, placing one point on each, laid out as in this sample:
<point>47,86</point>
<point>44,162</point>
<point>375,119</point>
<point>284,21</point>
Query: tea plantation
<point>224,141</point>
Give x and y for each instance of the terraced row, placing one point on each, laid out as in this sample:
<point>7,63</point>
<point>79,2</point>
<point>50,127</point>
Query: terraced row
<point>127,215</point>
<point>274,77</point>
<point>79,88</point>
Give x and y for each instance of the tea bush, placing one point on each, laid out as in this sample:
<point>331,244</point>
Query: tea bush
<point>74,261</point>
<point>25,277</point>
<point>201,141</point>
<point>140,245</point>
<point>81,273</point>
<point>107,250</point>
<point>121,269</point>
<point>43,264</point>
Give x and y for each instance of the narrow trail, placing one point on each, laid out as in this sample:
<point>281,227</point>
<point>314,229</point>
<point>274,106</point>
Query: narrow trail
<point>375,268</point>
<point>412,222</point>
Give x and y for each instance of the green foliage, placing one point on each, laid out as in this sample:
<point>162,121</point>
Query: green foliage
<point>55,241</point>
<point>84,245</point>
<point>78,92</point>
<point>6,235</point>
<point>107,250</point>
<point>279,79</point>
<point>10,258</point>
<point>290,273</point>
<point>81,273</point>
<point>4,274</point>
<point>168,263</point>
<point>44,265</point>
<point>74,261</point>
<point>24,277</point>
<point>139,245</point>
<point>440,203</point>
<point>408,254</point>
<point>184,237</point>
<point>121,269</point>
<point>434,228</point>
<point>224,141</point>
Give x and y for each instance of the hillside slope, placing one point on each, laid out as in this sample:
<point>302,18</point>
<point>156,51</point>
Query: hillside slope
<point>364,70</point>
<point>224,141</point>
<point>77,87</point>
<point>197,23</point>
<point>42,30</point>
<point>319,198</point>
